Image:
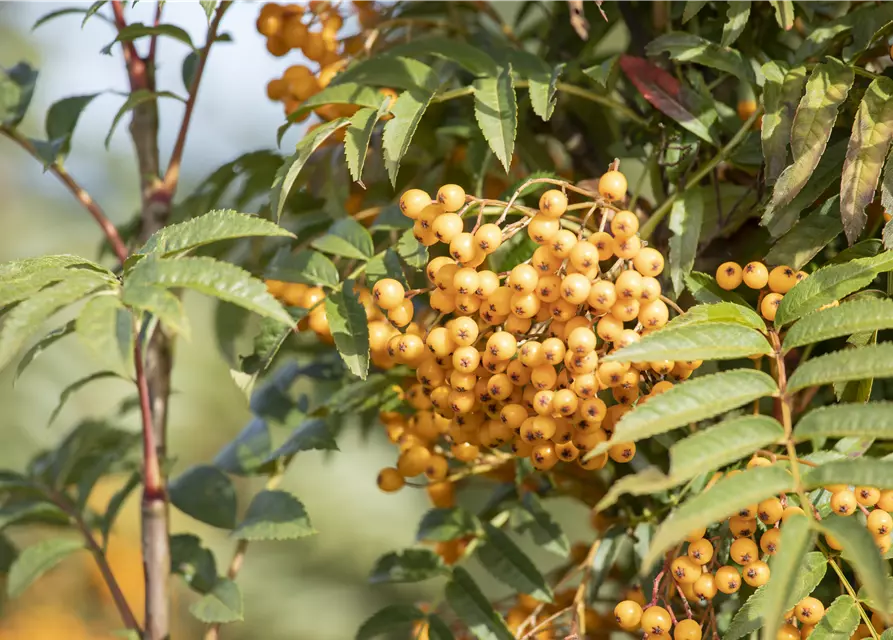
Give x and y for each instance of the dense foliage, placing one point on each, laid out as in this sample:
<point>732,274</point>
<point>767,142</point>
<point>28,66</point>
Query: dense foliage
<point>511,237</point>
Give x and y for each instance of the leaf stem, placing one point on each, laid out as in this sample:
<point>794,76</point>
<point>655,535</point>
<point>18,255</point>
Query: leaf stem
<point>661,212</point>
<point>849,589</point>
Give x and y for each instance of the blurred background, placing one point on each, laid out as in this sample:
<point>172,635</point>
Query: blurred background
<point>313,588</point>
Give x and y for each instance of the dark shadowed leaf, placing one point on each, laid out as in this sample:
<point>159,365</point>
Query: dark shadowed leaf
<point>505,561</point>
<point>809,236</point>
<point>474,609</point>
<point>688,47</point>
<point>796,540</point>
<point>781,95</point>
<point>408,565</point>
<point>207,494</point>
<point>685,223</point>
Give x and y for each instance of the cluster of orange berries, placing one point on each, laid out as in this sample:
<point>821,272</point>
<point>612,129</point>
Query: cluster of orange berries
<point>755,275</point>
<point>286,29</point>
<point>302,296</point>
<point>874,504</point>
<point>517,363</point>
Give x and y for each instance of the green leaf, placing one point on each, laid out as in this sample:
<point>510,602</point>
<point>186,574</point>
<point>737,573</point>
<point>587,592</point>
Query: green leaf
<point>407,110</point>
<point>691,401</point>
<point>721,312</point>
<point>496,112</point>
<point>600,72</point>
<point>193,561</point>
<point>61,119</point>
<point>394,617</point>
<point>309,267</point>
<point>358,135</point>
<point>58,13</point>
<point>784,13</point>
<point>135,99</point>
<point>474,60</point>
<point>36,560</point>
<point>207,494</point>
<point>105,328</point>
<point>809,236</point>
<point>703,451</point>
<point>248,451</point>
<point>839,622</point>
<point>350,93</point>
<point>704,289</point>
<point>346,238</point>
<point>781,94</point>
<point>288,172</point>
<point>386,265</point>
<point>161,303</point>
<point>505,561</point>
<point>208,6</point>
<point>116,502</point>
<point>274,515</point>
<point>861,553</point>
<point>748,617</point>
<point>861,472</point>
<point>696,341</point>
<point>312,435</point>
<point>827,88</point>
<point>211,277</point>
<point>872,420</point>
<point>685,223</point>
<point>796,539</point>
<point>414,253</point>
<point>869,142</point>
<point>93,10</point>
<point>687,47</point>
<point>542,527</point>
<point>517,249</point>
<point>474,609</point>
<point>390,71</point>
<point>26,318</point>
<point>42,345</point>
<point>221,605</point>
<point>736,19</point>
<point>438,629</point>
<point>347,321</point>
<point>615,544</point>
<point>691,9</point>
<point>214,226</point>
<point>723,499</point>
<point>409,565</point>
<point>866,314</point>
<point>137,30</point>
<point>829,284</point>
<point>544,91</point>
<point>74,387</point>
<point>872,361</point>
<point>16,88</point>
<point>441,525</point>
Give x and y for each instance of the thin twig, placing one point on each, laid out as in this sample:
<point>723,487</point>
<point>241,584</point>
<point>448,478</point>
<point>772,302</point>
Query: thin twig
<point>672,304</point>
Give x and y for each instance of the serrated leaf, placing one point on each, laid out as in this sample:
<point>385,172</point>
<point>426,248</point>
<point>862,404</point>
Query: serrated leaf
<point>221,605</point>
<point>866,314</point>
<point>781,94</point>
<point>696,341</point>
<point>193,561</point>
<point>22,322</point>
<point>861,553</point>
<point>839,622</point>
<point>723,499</point>
<point>872,361</point>
<point>748,617</point>
<point>474,60</point>
<point>505,561</point>
<point>385,265</point>
<point>861,472</point>
<point>827,88</point>
<point>685,223</point>
<point>312,435</point>
<point>407,110</point>
<point>704,289</point>
<point>721,312</point>
<point>691,401</point>
<point>600,72</point>
<point>809,236</point>
<point>347,238</point>
<point>441,525</point>
<point>704,451</point>
<point>517,249</point>
<point>214,226</point>
<point>542,527</point>
<point>736,19</point>
<point>308,267</point>
<point>347,322</point>
<point>543,91</point>
<point>207,494</point>
<point>389,71</point>
<point>688,47</point>
<point>474,609</point>
<point>784,13</point>
<point>496,112</point>
<point>394,617</point>
<point>135,99</point>
<point>211,277</point>
<point>105,328</point>
<point>274,515</point>
<point>872,420</point>
<point>37,559</point>
<point>796,539</point>
<point>74,387</point>
<point>408,565</point>
<point>358,135</point>
<point>16,88</point>
<point>42,345</point>
<point>161,303</point>
<point>829,284</point>
<point>413,253</point>
<point>288,172</point>
<point>869,142</point>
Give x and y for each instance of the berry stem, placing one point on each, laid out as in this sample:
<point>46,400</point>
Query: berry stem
<point>655,589</point>
<point>684,601</point>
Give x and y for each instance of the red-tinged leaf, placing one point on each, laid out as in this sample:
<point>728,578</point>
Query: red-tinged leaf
<point>664,92</point>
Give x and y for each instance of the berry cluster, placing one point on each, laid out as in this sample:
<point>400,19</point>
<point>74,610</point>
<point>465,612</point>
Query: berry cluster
<point>756,275</point>
<point>513,359</point>
<point>314,30</point>
<point>302,296</point>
